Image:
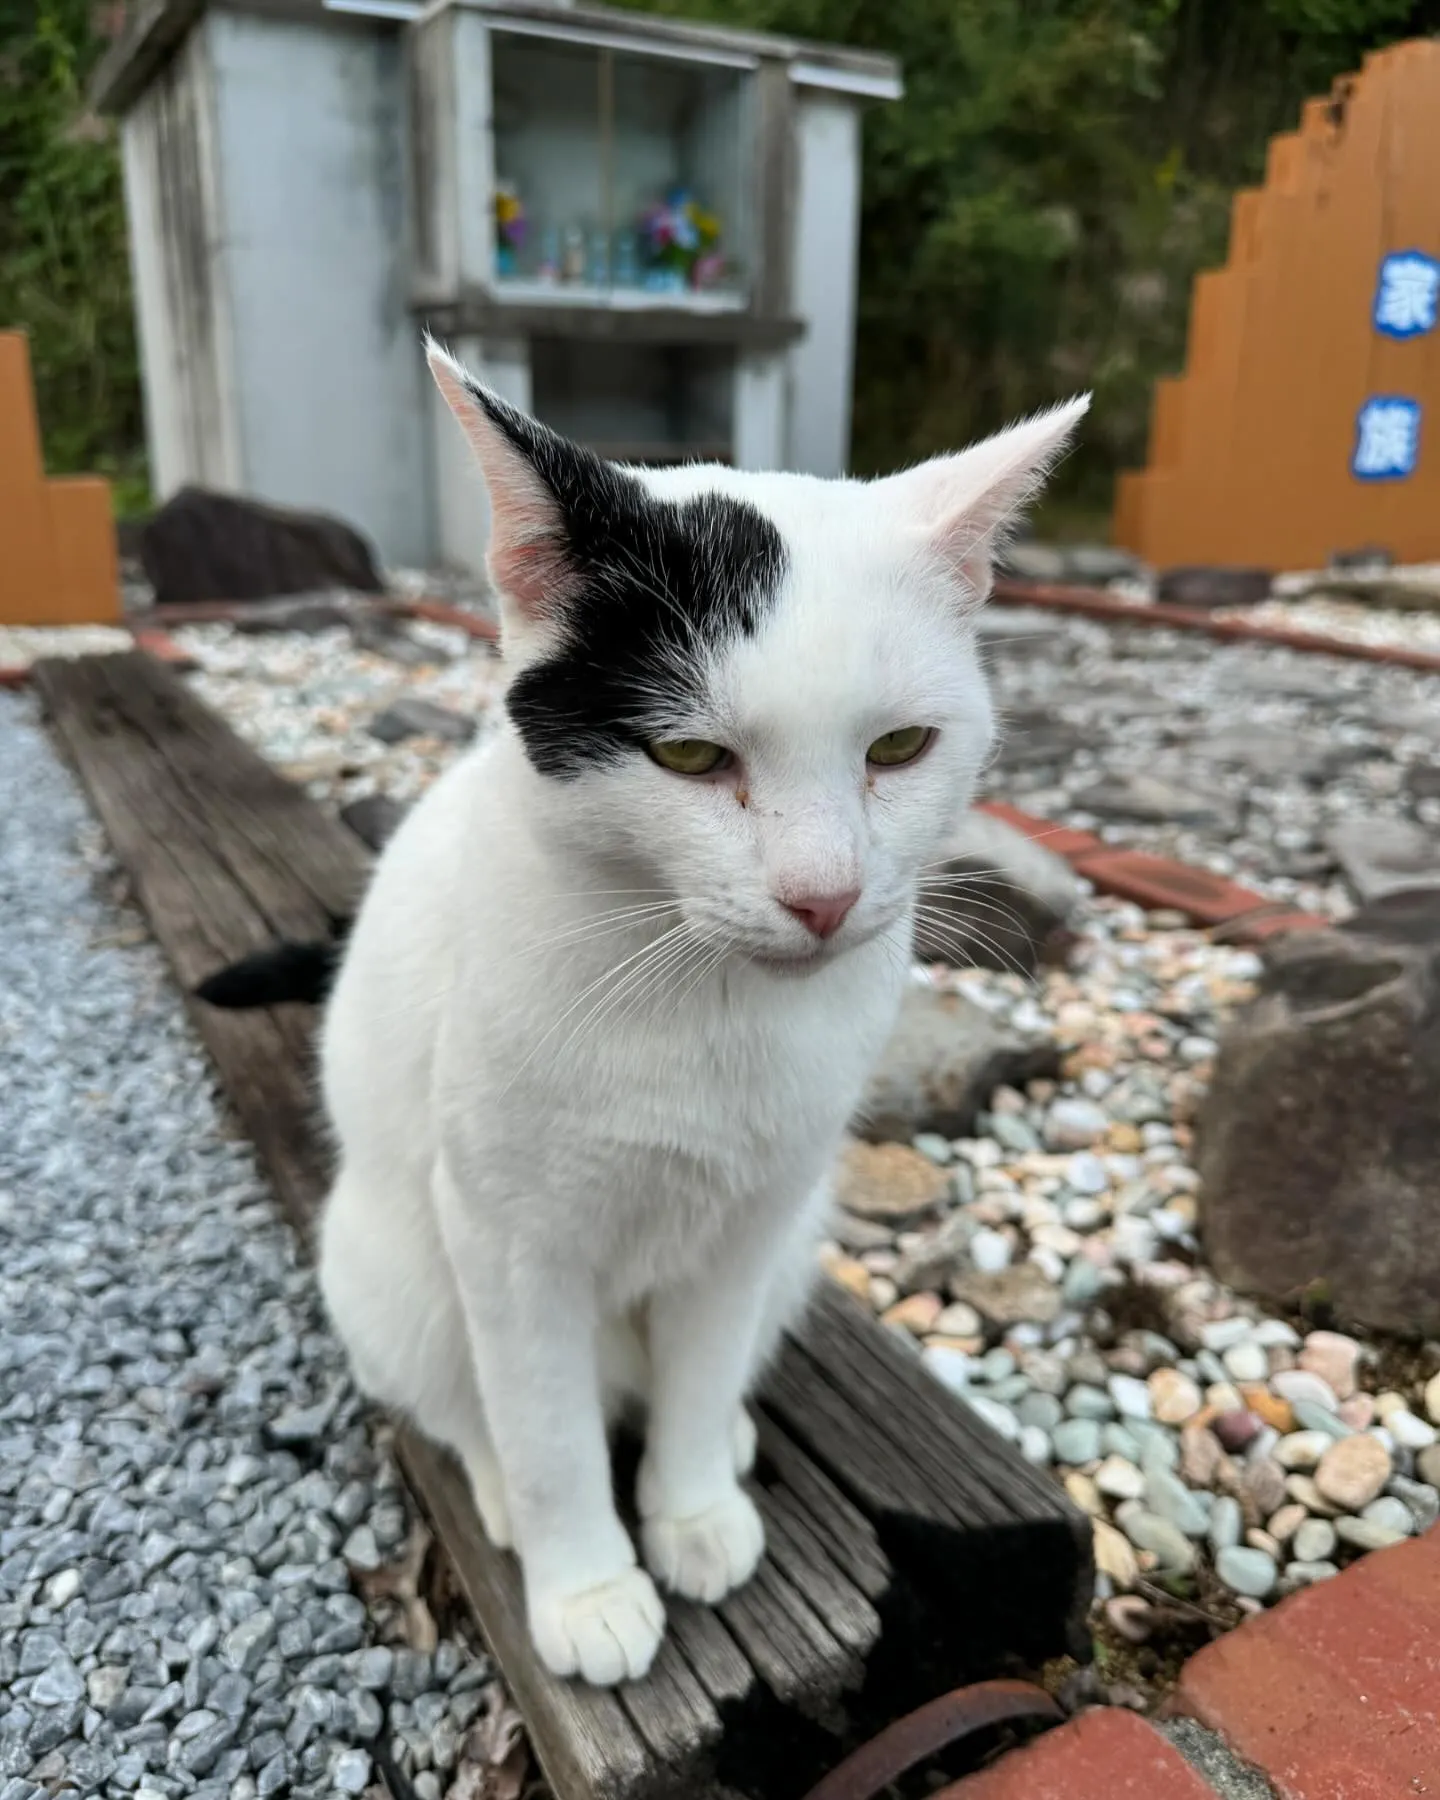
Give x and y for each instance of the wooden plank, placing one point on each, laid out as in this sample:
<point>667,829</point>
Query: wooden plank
<point>755,1700</point>
<point>805,1560</point>
<point>845,1531</point>
<point>673,1712</point>
<point>711,1651</point>
<point>793,1650</point>
<point>972,1461</point>
<point>200,919</point>
<point>829,1427</point>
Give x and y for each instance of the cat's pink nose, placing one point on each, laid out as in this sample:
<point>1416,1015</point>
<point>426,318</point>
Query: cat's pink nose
<point>823,914</point>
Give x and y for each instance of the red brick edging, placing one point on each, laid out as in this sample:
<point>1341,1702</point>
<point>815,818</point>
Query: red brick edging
<point>1108,1754</point>
<point>441,612</point>
<point>1241,915</point>
<point>1334,1694</point>
<point>1093,604</point>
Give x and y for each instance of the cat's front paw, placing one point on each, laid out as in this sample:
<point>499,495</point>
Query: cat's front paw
<point>710,1553</point>
<point>605,1634</point>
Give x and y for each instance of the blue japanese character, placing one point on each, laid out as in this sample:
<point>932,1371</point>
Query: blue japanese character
<point>1387,438</point>
<point>1407,298</point>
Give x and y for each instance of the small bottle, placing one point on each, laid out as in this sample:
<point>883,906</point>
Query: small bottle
<point>597,262</point>
<point>627,260</point>
<point>572,262</point>
<point>549,269</point>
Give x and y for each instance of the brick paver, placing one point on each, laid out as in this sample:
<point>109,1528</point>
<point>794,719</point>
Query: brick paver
<point>1110,1755</point>
<point>1336,1692</point>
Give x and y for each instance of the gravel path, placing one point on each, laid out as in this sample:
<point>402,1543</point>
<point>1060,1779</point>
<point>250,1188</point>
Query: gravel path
<point>191,1496</point>
<point>1238,758</point>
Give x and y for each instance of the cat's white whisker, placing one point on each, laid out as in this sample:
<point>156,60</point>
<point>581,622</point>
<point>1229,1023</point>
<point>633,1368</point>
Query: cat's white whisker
<point>946,929</point>
<point>603,925</point>
<point>969,907</point>
<point>633,988</point>
<point>610,974</point>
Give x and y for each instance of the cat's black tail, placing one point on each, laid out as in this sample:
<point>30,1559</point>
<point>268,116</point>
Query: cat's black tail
<point>285,972</point>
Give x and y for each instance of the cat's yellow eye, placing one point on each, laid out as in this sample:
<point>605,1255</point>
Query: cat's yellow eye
<point>687,756</point>
<point>898,747</point>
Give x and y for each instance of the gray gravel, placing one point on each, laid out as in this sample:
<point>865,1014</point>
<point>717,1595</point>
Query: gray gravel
<point>184,1468</point>
<point>1240,758</point>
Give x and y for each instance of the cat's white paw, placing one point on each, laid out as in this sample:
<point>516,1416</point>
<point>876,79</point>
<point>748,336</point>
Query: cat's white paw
<point>487,1489</point>
<point>707,1555</point>
<point>605,1634</point>
<point>744,1442</point>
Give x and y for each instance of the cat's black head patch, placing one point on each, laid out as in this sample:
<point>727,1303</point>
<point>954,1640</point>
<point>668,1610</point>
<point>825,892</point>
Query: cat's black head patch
<point>658,584</point>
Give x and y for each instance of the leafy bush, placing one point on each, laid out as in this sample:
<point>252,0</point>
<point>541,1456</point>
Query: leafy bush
<point>64,274</point>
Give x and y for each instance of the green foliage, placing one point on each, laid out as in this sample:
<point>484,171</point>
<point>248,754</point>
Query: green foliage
<point>64,274</point>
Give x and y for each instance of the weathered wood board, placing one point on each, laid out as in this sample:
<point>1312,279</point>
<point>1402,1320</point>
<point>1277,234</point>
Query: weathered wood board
<point>910,1549</point>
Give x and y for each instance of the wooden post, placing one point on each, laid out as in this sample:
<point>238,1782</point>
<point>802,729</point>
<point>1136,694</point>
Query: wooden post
<point>59,564</point>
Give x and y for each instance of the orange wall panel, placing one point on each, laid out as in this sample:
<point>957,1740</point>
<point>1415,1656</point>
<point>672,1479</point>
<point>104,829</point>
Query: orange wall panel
<point>27,560</point>
<point>1256,440</point>
<point>57,537</point>
<point>88,590</point>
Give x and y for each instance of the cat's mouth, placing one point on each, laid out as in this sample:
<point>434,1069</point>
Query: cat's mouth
<point>791,962</point>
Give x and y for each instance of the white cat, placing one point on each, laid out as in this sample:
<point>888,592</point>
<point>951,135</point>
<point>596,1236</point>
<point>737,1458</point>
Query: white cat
<point>616,987</point>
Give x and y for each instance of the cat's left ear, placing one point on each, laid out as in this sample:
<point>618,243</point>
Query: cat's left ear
<point>963,505</point>
<point>522,463</point>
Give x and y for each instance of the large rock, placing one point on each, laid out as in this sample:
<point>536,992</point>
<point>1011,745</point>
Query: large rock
<point>996,902</point>
<point>1096,565</point>
<point>414,716</point>
<point>1038,737</point>
<point>1072,565</point>
<point>1014,1296</point>
<point>1422,781</point>
<point>888,1183</point>
<point>307,613</point>
<point>1204,586</point>
<point>1408,916</point>
<point>1319,1146</point>
<point>946,1058</point>
<point>1385,856</point>
<point>1150,800</point>
<point>1392,593</point>
<point>374,819</point>
<point>207,546</point>
<point>1265,750</point>
<point>1027,560</point>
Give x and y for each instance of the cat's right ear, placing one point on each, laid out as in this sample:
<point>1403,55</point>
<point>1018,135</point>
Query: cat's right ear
<point>528,551</point>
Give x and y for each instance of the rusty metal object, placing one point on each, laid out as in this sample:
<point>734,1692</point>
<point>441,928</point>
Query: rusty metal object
<point>932,1728</point>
